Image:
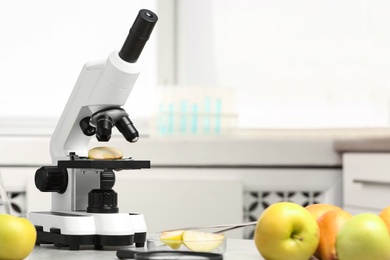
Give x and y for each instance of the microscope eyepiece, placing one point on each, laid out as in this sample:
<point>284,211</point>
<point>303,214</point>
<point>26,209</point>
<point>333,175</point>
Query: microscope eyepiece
<point>103,128</point>
<point>138,36</point>
<point>144,24</point>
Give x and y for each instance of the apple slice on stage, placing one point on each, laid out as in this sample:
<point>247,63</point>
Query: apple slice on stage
<point>105,153</point>
<point>202,241</point>
<point>173,239</point>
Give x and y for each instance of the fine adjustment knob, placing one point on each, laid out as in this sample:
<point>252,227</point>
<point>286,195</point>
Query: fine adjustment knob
<point>51,179</point>
<point>107,179</point>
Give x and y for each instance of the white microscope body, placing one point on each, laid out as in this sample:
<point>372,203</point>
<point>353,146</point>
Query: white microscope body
<point>84,205</point>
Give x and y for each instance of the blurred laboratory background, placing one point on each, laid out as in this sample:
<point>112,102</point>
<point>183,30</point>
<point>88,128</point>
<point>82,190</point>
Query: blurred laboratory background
<point>288,64</point>
<point>238,104</point>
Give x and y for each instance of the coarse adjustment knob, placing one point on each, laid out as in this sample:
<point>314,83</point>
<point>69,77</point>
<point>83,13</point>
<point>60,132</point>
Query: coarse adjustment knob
<point>51,179</point>
<point>102,201</point>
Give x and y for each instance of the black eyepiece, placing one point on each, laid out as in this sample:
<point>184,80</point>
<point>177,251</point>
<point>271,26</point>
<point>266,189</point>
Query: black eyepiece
<point>138,36</point>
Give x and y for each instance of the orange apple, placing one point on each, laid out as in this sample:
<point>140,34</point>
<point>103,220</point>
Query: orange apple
<point>385,216</point>
<point>329,224</point>
<point>17,237</point>
<point>320,208</point>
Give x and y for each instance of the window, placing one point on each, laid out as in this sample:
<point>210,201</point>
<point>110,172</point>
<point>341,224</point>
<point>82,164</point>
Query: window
<point>45,43</point>
<point>291,63</point>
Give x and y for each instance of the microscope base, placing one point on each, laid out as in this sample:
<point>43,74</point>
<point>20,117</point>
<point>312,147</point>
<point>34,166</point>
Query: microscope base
<point>82,229</point>
<point>75,241</point>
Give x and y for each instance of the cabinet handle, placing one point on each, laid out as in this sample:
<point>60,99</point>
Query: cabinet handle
<point>367,182</point>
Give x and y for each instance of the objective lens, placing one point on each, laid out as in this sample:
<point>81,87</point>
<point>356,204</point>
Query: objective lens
<point>103,128</point>
<point>87,129</point>
<point>126,127</point>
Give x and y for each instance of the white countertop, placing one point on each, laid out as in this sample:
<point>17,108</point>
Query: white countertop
<point>277,150</point>
<point>258,148</point>
<point>237,249</point>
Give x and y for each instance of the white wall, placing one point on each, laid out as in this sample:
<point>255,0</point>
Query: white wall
<point>291,63</point>
<point>45,43</point>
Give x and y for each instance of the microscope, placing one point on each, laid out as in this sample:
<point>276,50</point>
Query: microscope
<point>84,205</point>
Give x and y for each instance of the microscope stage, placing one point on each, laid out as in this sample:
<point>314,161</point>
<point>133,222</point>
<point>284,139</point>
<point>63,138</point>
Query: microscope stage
<point>123,164</point>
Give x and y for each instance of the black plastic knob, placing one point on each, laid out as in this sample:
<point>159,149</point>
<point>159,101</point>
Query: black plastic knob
<point>87,129</point>
<point>102,201</point>
<point>51,179</point>
<point>107,179</point>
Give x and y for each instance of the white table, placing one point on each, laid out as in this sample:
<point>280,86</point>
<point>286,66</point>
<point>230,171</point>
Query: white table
<point>237,249</point>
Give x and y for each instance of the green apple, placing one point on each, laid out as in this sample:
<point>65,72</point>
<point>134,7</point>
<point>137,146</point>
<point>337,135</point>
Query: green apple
<point>364,236</point>
<point>17,237</point>
<point>286,230</point>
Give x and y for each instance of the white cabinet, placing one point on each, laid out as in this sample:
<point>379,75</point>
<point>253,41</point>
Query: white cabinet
<point>366,181</point>
<point>15,178</point>
<point>174,198</point>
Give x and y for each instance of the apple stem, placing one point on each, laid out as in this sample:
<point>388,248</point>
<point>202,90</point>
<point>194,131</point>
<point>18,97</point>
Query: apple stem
<point>297,237</point>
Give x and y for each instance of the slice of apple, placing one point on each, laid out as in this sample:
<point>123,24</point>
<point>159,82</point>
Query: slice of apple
<point>105,153</point>
<point>173,239</point>
<point>202,241</point>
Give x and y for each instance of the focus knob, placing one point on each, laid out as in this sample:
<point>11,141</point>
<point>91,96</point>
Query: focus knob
<point>51,179</point>
<point>102,201</point>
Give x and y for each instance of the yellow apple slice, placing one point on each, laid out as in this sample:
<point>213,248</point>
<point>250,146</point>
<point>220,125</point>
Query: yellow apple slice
<point>105,153</point>
<point>173,239</point>
<point>202,241</point>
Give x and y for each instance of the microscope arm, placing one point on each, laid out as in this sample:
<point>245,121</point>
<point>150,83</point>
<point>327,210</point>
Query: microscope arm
<point>100,85</point>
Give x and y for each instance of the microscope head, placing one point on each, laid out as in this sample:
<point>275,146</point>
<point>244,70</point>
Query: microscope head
<point>102,122</point>
<point>100,91</point>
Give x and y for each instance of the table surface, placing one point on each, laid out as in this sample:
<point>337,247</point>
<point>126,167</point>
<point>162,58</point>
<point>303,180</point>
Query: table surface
<point>237,249</point>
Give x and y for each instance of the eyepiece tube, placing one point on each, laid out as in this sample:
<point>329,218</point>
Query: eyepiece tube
<point>138,36</point>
